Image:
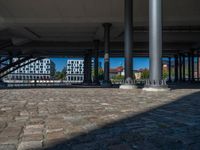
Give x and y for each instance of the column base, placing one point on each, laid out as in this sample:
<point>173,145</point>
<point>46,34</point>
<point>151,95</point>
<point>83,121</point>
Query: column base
<point>128,87</point>
<point>129,84</point>
<point>106,84</point>
<point>156,86</point>
<point>156,89</point>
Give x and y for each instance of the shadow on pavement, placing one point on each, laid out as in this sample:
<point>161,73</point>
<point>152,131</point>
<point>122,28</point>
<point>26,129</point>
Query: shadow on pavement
<point>174,126</point>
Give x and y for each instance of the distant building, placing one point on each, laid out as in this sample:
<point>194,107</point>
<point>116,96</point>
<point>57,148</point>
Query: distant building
<point>138,75</point>
<point>120,71</point>
<point>38,70</point>
<point>75,71</point>
<point>116,71</point>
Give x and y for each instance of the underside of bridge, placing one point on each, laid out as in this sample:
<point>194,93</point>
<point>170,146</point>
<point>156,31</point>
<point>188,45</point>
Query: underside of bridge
<point>54,28</point>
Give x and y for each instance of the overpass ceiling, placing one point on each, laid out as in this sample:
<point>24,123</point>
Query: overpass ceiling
<point>81,20</point>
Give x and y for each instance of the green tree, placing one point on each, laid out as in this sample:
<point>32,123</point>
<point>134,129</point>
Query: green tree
<point>145,74</point>
<point>101,76</point>
<point>118,77</point>
<point>165,73</point>
<point>60,75</point>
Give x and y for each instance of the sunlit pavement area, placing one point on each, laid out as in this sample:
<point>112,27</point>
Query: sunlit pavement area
<point>99,119</point>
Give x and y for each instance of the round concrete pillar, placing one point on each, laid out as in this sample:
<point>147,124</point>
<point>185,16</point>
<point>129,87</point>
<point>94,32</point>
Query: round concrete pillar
<point>155,47</point>
<point>107,82</point>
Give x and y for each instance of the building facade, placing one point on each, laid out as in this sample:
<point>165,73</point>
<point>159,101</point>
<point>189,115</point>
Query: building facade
<point>75,71</point>
<point>39,70</point>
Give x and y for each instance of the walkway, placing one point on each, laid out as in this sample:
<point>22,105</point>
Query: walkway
<point>99,119</point>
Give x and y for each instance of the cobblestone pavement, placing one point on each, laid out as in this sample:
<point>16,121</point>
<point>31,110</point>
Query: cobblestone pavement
<point>99,119</point>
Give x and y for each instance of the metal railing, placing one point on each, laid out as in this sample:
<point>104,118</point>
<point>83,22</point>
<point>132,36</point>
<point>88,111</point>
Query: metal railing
<point>36,83</point>
<point>121,81</point>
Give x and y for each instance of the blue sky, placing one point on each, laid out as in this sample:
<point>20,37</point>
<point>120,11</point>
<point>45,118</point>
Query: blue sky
<point>115,62</point>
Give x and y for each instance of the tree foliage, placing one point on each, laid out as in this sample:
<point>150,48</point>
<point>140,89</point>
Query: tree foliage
<point>145,74</point>
<point>118,77</point>
<point>101,74</point>
<point>60,75</point>
<point>165,73</point>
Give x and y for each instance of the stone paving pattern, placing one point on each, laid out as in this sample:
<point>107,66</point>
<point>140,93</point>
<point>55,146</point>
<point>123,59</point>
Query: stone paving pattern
<point>99,119</point>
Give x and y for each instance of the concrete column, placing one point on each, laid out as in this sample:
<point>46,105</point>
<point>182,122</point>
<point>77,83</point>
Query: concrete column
<point>0,62</point>
<point>162,69</point>
<point>180,67</point>
<point>155,46</point>
<point>176,68</point>
<point>96,62</point>
<point>184,68</point>
<point>87,68</point>
<point>128,41</point>
<point>192,63</point>
<point>107,81</point>
<point>198,66</point>
<point>128,45</point>
<point>155,41</point>
<point>169,67</point>
<point>189,67</point>
<point>90,67</point>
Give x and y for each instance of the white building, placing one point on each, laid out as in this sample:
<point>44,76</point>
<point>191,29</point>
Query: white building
<point>39,70</point>
<point>75,71</point>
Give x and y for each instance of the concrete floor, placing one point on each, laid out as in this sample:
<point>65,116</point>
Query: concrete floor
<point>99,119</point>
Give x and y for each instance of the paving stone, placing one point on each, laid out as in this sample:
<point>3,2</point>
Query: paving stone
<point>55,135</point>
<point>38,120</point>
<point>35,126</point>
<point>30,145</point>
<point>9,140</point>
<point>32,137</point>
<point>2,125</point>
<point>33,131</point>
<point>24,113</point>
<point>54,130</point>
<point>99,119</point>
<point>11,132</point>
<point>8,147</point>
<point>120,147</point>
<point>21,118</point>
<point>6,108</point>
